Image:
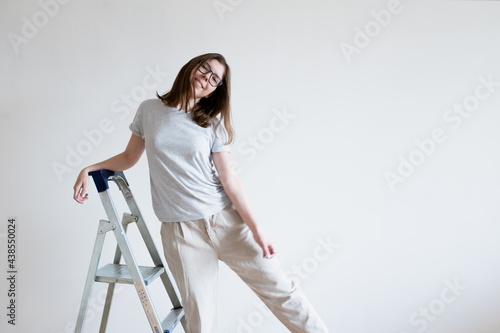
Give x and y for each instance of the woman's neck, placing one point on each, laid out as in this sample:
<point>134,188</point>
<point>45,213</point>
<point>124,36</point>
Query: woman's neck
<point>190,105</point>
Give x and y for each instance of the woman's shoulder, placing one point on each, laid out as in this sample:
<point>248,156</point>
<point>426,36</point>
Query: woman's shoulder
<point>218,127</point>
<point>152,103</point>
<point>215,121</point>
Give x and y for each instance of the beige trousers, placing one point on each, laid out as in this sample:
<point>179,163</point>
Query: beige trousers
<point>192,250</point>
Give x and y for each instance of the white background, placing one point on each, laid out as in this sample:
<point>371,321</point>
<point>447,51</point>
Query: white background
<point>319,179</point>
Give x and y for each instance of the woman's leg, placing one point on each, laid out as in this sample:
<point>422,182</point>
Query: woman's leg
<point>237,248</point>
<point>194,266</point>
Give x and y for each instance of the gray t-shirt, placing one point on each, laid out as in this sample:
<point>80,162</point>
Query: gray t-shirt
<point>184,183</point>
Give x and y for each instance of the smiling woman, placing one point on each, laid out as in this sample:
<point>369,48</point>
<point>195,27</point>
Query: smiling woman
<point>200,201</point>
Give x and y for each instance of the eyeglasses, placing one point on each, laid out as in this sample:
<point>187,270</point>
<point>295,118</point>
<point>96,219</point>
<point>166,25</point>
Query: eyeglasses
<point>214,79</point>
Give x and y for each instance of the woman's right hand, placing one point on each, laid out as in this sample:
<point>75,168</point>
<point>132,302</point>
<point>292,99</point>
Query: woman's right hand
<point>80,187</point>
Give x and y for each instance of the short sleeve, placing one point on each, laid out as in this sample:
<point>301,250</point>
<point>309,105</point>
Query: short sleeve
<point>137,124</point>
<point>220,138</point>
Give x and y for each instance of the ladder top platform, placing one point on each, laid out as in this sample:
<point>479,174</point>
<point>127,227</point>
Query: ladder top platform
<point>102,176</point>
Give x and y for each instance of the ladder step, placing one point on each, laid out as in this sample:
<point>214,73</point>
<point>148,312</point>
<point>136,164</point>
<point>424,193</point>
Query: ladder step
<point>172,319</point>
<point>115,273</point>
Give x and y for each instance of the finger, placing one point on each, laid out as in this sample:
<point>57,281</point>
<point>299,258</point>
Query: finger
<point>75,194</point>
<point>78,199</point>
<point>83,195</point>
<point>271,251</point>
<point>79,195</point>
<point>265,252</point>
<point>268,252</point>
<point>84,187</point>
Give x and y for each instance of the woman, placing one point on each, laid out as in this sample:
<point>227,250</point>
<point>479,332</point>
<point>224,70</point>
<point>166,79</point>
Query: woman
<point>204,211</point>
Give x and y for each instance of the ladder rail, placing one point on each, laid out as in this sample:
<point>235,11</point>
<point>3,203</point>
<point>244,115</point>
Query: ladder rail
<point>89,284</point>
<point>111,286</point>
<point>148,240</point>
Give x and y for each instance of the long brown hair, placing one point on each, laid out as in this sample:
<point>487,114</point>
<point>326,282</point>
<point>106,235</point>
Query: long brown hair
<point>207,108</point>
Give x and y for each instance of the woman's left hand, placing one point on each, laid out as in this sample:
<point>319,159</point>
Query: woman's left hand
<point>265,245</point>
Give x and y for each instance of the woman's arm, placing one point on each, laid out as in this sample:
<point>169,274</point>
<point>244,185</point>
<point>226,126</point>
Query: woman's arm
<point>234,189</point>
<point>120,162</point>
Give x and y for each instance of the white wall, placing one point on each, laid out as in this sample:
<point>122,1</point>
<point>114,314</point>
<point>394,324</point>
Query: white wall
<point>320,178</point>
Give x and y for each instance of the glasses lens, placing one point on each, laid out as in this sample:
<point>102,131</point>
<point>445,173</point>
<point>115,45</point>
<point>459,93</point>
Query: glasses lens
<point>205,68</point>
<point>215,80</point>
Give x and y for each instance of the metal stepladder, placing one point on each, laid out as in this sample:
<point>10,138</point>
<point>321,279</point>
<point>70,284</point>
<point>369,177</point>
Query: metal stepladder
<point>130,273</point>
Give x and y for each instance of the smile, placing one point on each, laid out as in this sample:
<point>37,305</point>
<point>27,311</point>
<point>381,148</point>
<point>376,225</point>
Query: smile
<point>200,84</point>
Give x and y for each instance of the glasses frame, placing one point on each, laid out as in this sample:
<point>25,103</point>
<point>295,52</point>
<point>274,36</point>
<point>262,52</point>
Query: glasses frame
<point>209,71</point>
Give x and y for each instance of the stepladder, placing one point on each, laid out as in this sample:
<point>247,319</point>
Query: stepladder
<point>129,272</point>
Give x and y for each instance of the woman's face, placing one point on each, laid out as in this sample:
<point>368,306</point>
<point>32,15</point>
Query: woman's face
<point>201,82</point>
